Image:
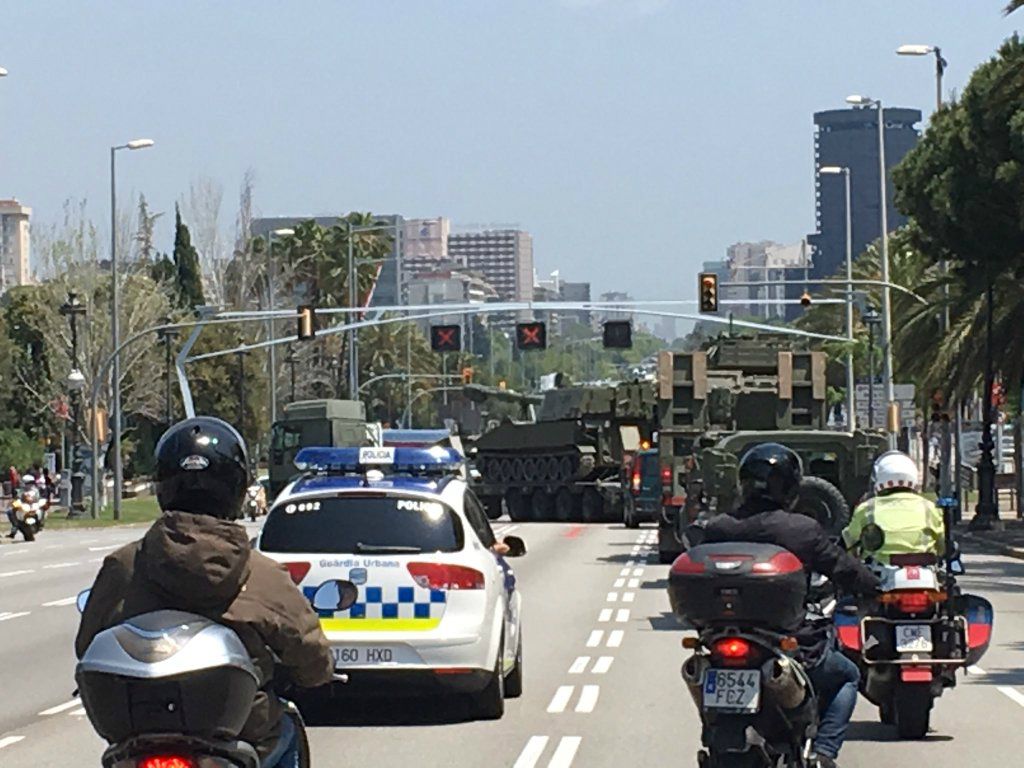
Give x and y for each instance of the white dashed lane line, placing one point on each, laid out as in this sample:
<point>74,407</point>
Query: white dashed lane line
<point>7,741</point>
<point>61,708</point>
<point>625,571</point>
<point>14,573</point>
<point>602,665</point>
<point>595,638</point>
<point>105,547</point>
<point>613,597</point>
<point>560,699</point>
<point>1012,693</point>
<point>579,666</point>
<point>6,616</point>
<point>605,615</point>
<point>60,565</point>
<point>531,752</point>
<point>565,752</point>
<point>634,583</point>
<point>63,601</point>
<point>622,616</point>
<point>563,756</point>
<point>615,638</point>
<point>629,597</point>
<point>588,698</point>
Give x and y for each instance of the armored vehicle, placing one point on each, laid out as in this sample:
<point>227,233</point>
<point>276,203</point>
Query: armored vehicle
<point>716,403</point>
<point>568,464</point>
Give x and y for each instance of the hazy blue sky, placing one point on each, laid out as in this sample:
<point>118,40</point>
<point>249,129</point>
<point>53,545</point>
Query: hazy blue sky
<point>633,138</point>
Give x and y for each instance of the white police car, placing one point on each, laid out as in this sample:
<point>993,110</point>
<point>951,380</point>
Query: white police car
<point>400,546</point>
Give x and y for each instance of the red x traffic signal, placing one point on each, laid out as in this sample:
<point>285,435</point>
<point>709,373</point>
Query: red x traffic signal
<point>446,338</point>
<point>531,336</point>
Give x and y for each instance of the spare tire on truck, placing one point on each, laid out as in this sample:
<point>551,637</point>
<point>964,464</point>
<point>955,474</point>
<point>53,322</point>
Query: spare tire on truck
<point>825,503</point>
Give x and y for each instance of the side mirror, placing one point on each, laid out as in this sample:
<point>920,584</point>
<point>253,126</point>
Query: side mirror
<point>956,565</point>
<point>82,599</point>
<point>872,538</point>
<point>516,546</point>
<point>335,595</point>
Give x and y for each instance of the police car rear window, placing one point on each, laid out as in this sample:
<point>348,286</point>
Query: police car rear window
<point>363,524</point>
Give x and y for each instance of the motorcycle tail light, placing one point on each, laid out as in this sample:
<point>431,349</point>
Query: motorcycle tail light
<point>635,481</point>
<point>732,651</point>
<point>167,761</point>
<point>915,601</point>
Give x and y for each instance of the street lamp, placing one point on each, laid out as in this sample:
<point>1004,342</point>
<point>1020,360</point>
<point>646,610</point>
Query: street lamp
<point>272,349</point>
<point>73,309</point>
<point>3,72</point>
<point>835,170</point>
<point>166,336</point>
<point>940,64</point>
<point>871,319</point>
<point>114,323</point>
<point>887,366</point>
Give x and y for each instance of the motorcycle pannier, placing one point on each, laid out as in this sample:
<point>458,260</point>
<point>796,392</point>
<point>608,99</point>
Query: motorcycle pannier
<point>739,583</point>
<point>167,672</point>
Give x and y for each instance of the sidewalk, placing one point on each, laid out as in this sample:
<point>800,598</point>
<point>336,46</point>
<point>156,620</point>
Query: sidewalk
<point>1008,542</point>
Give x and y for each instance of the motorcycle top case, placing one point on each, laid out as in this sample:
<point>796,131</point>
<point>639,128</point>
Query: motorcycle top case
<point>739,583</point>
<point>167,672</point>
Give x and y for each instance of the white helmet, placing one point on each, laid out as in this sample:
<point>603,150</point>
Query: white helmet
<point>894,469</point>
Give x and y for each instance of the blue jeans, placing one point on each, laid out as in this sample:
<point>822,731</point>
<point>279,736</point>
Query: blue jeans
<point>286,753</point>
<point>835,682</point>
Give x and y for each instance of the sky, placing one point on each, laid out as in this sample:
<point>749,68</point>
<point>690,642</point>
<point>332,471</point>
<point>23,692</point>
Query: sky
<point>634,139</point>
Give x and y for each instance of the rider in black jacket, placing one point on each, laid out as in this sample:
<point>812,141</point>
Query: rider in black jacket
<point>770,476</point>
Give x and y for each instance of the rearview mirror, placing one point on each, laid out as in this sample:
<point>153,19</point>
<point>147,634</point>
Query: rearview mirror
<point>872,538</point>
<point>516,546</point>
<point>956,565</point>
<point>82,599</point>
<point>335,595</point>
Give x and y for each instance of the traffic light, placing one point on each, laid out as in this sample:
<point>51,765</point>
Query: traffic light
<point>708,290</point>
<point>805,299</point>
<point>306,322</point>
<point>531,336</point>
<point>618,334</point>
<point>467,375</point>
<point>446,338</point>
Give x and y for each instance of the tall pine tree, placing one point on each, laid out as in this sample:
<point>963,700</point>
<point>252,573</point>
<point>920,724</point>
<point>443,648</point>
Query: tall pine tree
<point>189,277</point>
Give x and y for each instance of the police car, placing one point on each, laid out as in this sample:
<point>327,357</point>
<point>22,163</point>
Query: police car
<point>416,594</point>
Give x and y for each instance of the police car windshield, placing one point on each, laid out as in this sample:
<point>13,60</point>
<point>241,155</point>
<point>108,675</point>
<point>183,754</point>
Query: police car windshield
<point>363,524</point>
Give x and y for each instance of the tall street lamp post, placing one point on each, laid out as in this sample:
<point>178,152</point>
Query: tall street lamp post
<point>73,309</point>
<point>167,336</point>
<point>871,320</point>
<point>883,192</point>
<point>115,323</point>
<point>986,514</point>
<point>272,349</point>
<point>241,390</point>
<point>851,419</point>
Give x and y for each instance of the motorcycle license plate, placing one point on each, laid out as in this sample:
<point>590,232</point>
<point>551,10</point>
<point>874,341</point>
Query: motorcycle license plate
<point>913,638</point>
<point>735,690</point>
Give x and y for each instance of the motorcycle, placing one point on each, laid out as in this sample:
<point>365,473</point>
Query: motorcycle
<point>170,688</point>
<point>757,705</point>
<point>910,641</point>
<point>30,512</point>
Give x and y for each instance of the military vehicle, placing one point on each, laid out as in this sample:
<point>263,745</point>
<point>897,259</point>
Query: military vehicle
<point>314,423</point>
<point>568,464</point>
<point>716,403</point>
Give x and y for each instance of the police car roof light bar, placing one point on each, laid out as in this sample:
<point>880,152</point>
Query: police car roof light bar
<point>435,460</point>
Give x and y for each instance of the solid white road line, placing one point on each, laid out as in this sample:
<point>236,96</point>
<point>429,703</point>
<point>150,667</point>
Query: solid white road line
<point>595,638</point>
<point>579,666</point>
<point>565,752</point>
<point>629,597</point>
<point>14,573</point>
<point>1012,693</point>
<point>612,597</point>
<point>5,616</point>
<point>560,699</point>
<point>605,615</point>
<point>60,565</point>
<point>615,638</point>
<point>6,741</point>
<point>588,698</point>
<point>619,583</point>
<point>602,665</point>
<point>63,601</point>
<point>531,752</point>
<point>61,708</point>
<point>622,615</point>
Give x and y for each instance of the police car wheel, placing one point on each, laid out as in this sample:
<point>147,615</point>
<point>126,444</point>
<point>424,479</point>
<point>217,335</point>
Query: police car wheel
<point>490,702</point>
<point>514,679</point>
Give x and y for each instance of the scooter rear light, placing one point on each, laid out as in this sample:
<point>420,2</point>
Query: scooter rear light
<point>732,651</point>
<point>298,571</point>
<point>784,562</point>
<point>167,761</point>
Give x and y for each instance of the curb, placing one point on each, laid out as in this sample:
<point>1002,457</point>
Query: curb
<point>1002,549</point>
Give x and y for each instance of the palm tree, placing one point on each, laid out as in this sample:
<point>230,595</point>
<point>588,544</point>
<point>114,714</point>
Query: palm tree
<point>1012,6</point>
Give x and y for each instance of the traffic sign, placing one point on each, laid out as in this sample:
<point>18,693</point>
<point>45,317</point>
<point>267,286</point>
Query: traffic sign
<point>618,334</point>
<point>446,338</point>
<point>531,336</point>
<point>904,394</point>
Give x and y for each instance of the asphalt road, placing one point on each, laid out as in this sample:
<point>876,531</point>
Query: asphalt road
<point>601,658</point>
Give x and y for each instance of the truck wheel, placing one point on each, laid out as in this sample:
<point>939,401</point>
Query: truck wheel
<point>517,504</point>
<point>565,505</point>
<point>492,506</point>
<point>592,506</point>
<point>823,501</point>
<point>541,505</point>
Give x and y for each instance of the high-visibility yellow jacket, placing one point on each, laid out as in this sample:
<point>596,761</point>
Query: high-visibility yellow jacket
<point>911,523</point>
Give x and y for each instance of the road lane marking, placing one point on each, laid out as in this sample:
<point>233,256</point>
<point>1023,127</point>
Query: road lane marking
<point>511,528</point>
<point>78,713</point>
<point>588,698</point>
<point>629,597</point>
<point>531,752</point>
<point>619,583</point>
<point>613,597</point>
<point>634,583</point>
<point>638,571</point>
<point>63,601</point>
<point>615,638</point>
<point>560,699</point>
<point>5,616</point>
<point>61,708</point>
<point>14,573</point>
<point>622,616</point>
<point>105,547</point>
<point>595,638</point>
<point>605,615</point>
<point>18,551</point>
<point>602,665</point>
<point>7,741</point>
<point>624,572</point>
<point>60,565</point>
<point>974,669</point>
<point>565,752</point>
<point>1012,693</point>
<point>579,666</point>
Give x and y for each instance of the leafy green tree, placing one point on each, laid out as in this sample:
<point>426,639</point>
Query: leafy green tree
<point>189,276</point>
<point>18,450</point>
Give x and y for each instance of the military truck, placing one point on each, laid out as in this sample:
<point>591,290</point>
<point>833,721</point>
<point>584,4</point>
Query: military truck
<point>309,423</point>
<point>568,464</point>
<point>717,402</point>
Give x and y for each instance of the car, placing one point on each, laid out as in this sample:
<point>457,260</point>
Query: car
<point>643,498</point>
<point>425,604</point>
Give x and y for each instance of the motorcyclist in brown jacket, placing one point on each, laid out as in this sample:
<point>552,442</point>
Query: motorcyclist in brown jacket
<point>194,558</point>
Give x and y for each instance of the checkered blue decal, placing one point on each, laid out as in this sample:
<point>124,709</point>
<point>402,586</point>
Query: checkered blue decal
<point>401,603</point>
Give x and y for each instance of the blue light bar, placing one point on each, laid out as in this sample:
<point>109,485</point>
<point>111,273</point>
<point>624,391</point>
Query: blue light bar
<point>433,460</point>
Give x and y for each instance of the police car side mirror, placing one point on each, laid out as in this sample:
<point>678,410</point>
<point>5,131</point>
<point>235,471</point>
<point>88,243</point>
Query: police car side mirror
<point>82,599</point>
<point>335,595</point>
<point>516,546</point>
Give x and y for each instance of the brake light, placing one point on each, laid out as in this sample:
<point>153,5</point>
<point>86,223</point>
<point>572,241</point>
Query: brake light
<point>167,761</point>
<point>731,651</point>
<point>913,601</point>
<point>440,576</point>
<point>298,571</point>
<point>666,476</point>
<point>635,480</point>
<point>685,565</point>
<point>784,562</point>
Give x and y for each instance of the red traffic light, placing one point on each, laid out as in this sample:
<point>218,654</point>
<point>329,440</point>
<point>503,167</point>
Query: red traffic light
<point>707,289</point>
<point>805,299</point>
<point>531,336</point>
<point>446,338</point>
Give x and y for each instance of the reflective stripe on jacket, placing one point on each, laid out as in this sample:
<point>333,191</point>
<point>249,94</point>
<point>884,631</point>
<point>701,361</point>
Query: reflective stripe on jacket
<point>911,524</point>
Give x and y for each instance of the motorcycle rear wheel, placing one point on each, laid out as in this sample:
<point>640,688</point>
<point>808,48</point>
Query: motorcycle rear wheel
<point>912,708</point>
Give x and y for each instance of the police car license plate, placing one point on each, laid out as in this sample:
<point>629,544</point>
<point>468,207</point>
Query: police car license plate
<point>737,690</point>
<point>370,655</point>
<point>913,638</point>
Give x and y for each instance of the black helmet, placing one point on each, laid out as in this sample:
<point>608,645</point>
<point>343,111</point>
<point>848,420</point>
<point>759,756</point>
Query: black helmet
<point>770,476</point>
<point>202,467</point>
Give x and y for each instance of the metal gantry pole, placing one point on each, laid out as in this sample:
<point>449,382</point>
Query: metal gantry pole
<point>851,405</point>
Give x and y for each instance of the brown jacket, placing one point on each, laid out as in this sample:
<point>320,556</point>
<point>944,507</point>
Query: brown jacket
<point>203,565</point>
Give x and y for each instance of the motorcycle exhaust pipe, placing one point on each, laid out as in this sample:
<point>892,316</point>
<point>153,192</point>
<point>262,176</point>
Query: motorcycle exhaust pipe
<point>693,675</point>
<point>784,683</point>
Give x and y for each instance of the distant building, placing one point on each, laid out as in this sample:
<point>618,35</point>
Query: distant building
<point>570,291</point>
<point>14,244</point>
<point>503,256</point>
<point>611,314</point>
<point>424,245</point>
<point>762,262</point>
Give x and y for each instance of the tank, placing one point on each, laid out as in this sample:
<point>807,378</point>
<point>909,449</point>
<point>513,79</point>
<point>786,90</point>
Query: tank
<point>568,463</point>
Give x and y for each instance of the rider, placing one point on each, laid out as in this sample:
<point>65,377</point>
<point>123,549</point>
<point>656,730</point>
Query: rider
<point>770,476</point>
<point>911,523</point>
<point>196,559</point>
